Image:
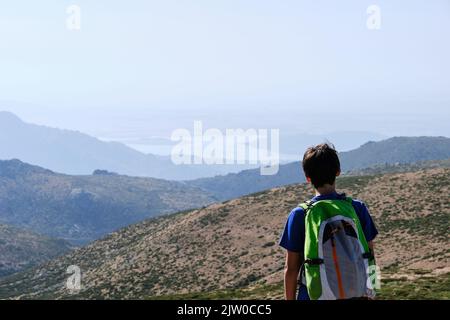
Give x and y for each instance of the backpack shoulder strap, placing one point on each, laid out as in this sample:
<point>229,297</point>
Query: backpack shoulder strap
<point>306,205</point>
<point>349,199</point>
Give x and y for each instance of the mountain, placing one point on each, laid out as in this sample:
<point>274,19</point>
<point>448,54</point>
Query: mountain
<point>229,250</point>
<point>21,249</point>
<point>397,150</point>
<point>83,208</point>
<point>400,167</point>
<point>72,152</point>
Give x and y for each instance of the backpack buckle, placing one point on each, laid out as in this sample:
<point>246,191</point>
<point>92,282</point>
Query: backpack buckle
<point>314,262</point>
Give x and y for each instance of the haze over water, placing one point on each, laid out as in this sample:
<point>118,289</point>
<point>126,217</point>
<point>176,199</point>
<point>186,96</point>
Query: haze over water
<point>136,71</point>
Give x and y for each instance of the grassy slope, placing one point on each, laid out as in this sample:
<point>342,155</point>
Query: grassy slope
<point>21,249</point>
<point>229,249</point>
<point>423,288</point>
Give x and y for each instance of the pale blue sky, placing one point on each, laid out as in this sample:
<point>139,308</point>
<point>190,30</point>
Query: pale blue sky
<point>259,63</point>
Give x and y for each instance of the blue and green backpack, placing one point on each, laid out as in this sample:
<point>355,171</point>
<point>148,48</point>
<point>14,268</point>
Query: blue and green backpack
<point>338,261</point>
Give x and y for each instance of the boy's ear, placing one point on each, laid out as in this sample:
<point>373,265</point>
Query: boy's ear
<point>308,179</point>
<point>338,173</point>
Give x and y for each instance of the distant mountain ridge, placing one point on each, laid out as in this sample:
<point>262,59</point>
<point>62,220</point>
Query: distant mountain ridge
<point>72,152</point>
<point>400,167</point>
<point>83,208</point>
<point>397,150</point>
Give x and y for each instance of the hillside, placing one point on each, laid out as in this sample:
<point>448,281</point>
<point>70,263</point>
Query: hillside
<point>72,152</point>
<point>400,167</point>
<point>20,249</point>
<point>234,185</point>
<point>230,249</point>
<point>399,150</point>
<point>83,208</point>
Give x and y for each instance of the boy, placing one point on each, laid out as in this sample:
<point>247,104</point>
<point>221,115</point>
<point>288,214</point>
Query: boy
<point>321,167</point>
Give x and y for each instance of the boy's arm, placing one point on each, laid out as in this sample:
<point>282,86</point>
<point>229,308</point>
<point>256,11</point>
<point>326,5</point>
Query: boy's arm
<point>371,246</point>
<point>292,267</point>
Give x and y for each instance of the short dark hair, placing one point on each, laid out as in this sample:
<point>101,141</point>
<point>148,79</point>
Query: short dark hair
<point>321,164</point>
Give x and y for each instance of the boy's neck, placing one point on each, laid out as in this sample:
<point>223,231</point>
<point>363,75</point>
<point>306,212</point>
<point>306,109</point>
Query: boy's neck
<point>325,189</point>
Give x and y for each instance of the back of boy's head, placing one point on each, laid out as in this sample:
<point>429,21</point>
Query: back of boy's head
<point>321,164</point>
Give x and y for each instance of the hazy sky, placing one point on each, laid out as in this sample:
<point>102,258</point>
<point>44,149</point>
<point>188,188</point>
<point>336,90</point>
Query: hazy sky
<point>152,66</point>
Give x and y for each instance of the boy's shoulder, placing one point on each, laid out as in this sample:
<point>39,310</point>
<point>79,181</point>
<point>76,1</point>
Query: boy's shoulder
<point>359,204</point>
<point>296,217</point>
<point>297,212</point>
